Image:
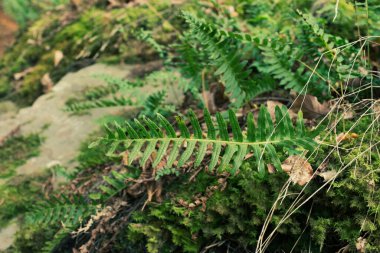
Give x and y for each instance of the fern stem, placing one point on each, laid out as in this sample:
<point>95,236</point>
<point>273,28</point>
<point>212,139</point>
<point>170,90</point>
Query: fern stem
<point>256,143</point>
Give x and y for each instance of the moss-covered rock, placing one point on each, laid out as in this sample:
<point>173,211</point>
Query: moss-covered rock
<point>93,34</point>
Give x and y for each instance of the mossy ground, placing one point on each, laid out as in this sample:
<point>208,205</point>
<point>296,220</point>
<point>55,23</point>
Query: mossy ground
<point>231,219</point>
<point>15,151</point>
<point>95,34</point>
<point>234,216</point>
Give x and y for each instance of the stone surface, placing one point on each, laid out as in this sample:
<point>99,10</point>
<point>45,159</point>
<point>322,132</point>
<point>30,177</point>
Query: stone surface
<point>8,110</point>
<point>64,132</point>
<point>7,234</point>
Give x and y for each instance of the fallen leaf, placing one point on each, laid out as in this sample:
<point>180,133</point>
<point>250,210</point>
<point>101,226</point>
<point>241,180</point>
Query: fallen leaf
<point>360,244</point>
<point>58,56</point>
<point>349,114</point>
<point>298,169</point>
<point>271,105</point>
<point>271,169</point>
<point>232,11</point>
<point>346,137</point>
<point>310,106</point>
<point>208,99</point>
<point>47,83</point>
<point>376,108</point>
<point>328,175</point>
<point>125,159</point>
<point>19,75</point>
<point>76,3</point>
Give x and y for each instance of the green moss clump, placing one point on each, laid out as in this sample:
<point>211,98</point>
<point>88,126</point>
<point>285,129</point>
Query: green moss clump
<point>15,151</point>
<point>235,214</point>
<point>338,215</point>
<point>18,195</point>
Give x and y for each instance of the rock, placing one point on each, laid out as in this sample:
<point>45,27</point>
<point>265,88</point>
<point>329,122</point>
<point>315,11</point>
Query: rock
<point>62,132</point>
<point>8,110</point>
<point>7,234</point>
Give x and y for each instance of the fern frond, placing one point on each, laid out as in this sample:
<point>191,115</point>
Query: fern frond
<point>60,211</point>
<point>154,102</point>
<point>279,60</point>
<point>99,103</point>
<point>96,97</point>
<point>113,184</point>
<point>142,139</point>
<point>147,37</point>
<point>191,63</point>
<point>340,60</point>
<point>232,71</point>
<point>51,245</point>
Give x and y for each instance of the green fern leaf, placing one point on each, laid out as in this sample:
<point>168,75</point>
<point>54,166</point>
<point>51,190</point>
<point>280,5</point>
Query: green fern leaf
<point>228,149</point>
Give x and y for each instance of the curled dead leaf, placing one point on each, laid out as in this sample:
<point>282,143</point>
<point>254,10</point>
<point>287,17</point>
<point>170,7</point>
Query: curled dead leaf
<point>58,56</point>
<point>47,83</point>
<point>232,11</point>
<point>271,105</point>
<point>376,108</point>
<point>19,75</point>
<point>360,244</point>
<point>125,159</point>
<point>346,137</point>
<point>310,106</point>
<point>271,169</point>
<point>298,169</point>
<point>328,175</point>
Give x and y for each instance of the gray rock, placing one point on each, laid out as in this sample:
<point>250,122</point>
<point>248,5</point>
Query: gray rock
<point>62,131</point>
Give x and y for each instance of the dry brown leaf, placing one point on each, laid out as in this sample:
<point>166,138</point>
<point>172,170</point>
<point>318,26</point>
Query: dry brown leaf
<point>271,168</point>
<point>376,108</point>
<point>23,73</point>
<point>209,101</point>
<point>58,56</point>
<point>328,175</point>
<point>232,11</point>
<point>346,137</point>
<point>298,169</point>
<point>310,106</point>
<point>125,159</point>
<point>76,3</point>
<point>271,105</point>
<point>47,83</point>
<point>360,244</point>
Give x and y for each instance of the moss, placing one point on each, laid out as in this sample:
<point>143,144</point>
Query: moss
<point>18,195</point>
<point>107,35</point>
<point>338,215</point>
<point>93,157</point>
<point>235,214</point>
<point>349,209</point>
<point>15,151</point>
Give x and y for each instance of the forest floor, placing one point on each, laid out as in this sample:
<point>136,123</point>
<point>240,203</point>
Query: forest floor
<point>62,133</point>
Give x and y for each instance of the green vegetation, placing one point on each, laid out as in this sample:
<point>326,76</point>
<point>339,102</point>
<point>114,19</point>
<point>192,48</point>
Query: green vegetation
<point>18,195</point>
<point>251,161</point>
<point>15,151</point>
<point>92,34</point>
<point>25,11</point>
